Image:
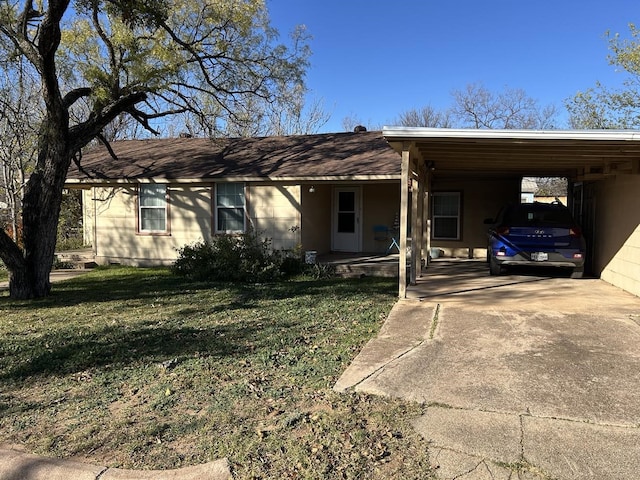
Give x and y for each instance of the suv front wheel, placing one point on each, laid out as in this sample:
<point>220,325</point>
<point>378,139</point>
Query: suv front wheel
<point>494,267</point>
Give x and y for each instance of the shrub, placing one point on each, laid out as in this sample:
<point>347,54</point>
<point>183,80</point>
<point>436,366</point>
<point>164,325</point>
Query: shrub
<point>292,265</point>
<point>236,258</point>
<point>319,271</point>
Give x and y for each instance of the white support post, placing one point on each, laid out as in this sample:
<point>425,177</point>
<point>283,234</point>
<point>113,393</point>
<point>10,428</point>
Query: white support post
<point>415,232</point>
<point>426,209</point>
<point>404,203</point>
<point>420,227</point>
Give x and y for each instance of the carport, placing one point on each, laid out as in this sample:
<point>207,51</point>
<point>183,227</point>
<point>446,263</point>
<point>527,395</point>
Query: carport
<point>603,169</point>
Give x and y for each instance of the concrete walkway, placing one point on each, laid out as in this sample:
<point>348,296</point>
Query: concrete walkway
<point>55,276</point>
<point>16,465</point>
<point>524,377</point>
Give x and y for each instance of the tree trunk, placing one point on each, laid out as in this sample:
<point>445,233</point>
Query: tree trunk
<point>29,274</point>
<point>40,214</point>
<point>30,267</point>
<point>20,285</point>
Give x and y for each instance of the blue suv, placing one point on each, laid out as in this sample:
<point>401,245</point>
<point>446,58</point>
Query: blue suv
<point>535,234</point>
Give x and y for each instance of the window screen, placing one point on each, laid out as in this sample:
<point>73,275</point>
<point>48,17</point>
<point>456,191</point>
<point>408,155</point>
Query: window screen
<point>230,207</point>
<point>153,208</point>
<point>446,216</point>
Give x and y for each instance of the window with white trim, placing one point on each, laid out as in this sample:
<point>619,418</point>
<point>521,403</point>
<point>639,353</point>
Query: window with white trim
<point>152,205</point>
<point>446,216</point>
<point>230,207</point>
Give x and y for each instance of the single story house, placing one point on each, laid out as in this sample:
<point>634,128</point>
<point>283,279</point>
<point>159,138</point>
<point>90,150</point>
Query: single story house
<point>353,192</point>
<point>322,193</point>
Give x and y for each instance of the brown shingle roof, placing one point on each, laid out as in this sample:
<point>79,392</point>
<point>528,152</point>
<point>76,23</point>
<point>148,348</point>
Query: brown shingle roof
<point>305,156</point>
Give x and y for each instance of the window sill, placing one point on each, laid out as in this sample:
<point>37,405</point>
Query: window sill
<point>153,234</point>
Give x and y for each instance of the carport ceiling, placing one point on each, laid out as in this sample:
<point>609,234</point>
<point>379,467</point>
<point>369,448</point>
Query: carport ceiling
<point>580,155</point>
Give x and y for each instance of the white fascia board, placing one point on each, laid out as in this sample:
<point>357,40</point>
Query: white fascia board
<point>332,178</point>
<point>415,133</point>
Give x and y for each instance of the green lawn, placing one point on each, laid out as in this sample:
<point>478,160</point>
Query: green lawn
<point>136,368</point>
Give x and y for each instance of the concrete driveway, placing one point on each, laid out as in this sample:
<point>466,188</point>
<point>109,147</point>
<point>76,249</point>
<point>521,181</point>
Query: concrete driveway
<point>525,377</point>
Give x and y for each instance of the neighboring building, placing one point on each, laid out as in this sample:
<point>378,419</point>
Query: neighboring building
<point>528,190</point>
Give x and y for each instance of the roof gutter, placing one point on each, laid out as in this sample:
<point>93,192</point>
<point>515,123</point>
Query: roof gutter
<point>415,133</point>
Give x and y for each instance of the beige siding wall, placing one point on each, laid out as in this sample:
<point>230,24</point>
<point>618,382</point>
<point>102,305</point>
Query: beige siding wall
<point>190,214</point>
<point>316,218</point>
<point>115,224</point>
<point>617,232</point>
<point>274,212</point>
<point>481,199</point>
<point>381,205</point>
<point>117,240</point>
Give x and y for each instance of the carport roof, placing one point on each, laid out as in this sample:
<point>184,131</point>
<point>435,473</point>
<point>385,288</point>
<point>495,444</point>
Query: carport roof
<point>577,154</point>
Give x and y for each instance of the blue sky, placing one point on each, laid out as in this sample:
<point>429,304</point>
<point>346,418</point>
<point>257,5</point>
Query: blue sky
<point>373,60</point>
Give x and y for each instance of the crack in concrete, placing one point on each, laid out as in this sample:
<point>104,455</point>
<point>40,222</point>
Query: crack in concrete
<point>481,463</point>
<point>469,472</point>
<point>516,470</point>
<point>434,322</point>
<point>99,476</point>
<point>486,467</point>
<point>528,414</point>
<point>521,418</point>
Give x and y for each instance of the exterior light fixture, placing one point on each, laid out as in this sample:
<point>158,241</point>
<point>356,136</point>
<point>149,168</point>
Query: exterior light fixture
<point>312,189</point>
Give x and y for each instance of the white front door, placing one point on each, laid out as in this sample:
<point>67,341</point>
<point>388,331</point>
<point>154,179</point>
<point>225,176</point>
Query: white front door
<point>346,225</point>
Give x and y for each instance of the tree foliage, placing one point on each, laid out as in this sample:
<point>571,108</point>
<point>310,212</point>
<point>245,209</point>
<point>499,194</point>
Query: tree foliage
<point>478,107</point>
<point>96,60</point>
<point>551,186</point>
<point>601,107</point>
<point>426,116</point>
<point>18,106</point>
<point>290,114</point>
<point>351,122</point>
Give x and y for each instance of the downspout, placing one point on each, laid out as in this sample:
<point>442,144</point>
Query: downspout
<point>404,202</point>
